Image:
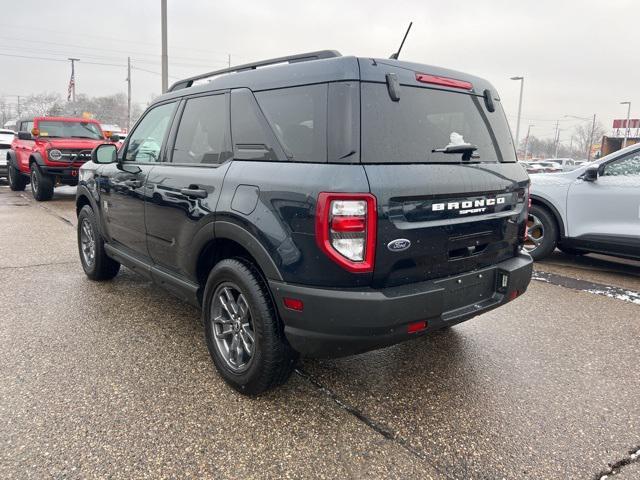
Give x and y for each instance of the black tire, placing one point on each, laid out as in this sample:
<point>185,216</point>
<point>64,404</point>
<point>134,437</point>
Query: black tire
<point>542,233</point>
<point>272,359</point>
<point>571,251</point>
<point>17,181</point>
<point>41,184</point>
<point>99,266</point>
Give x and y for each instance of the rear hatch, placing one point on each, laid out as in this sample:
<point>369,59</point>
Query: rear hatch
<point>439,213</point>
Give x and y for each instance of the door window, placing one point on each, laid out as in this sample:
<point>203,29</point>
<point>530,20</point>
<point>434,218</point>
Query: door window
<point>146,139</point>
<point>203,135</point>
<point>627,166</point>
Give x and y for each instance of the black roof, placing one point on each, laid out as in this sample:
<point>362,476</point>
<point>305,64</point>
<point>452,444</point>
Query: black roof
<point>316,67</point>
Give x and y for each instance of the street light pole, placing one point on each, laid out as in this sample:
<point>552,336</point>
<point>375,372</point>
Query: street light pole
<point>165,60</point>
<point>626,130</point>
<point>519,109</point>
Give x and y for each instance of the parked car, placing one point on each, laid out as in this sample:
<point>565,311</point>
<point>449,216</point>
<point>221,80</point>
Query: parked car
<point>565,164</point>
<point>550,167</point>
<point>324,206</point>
<point>6,137</point>
<point>532,167</point>
<point>593,208</point>
<point>47,151</point>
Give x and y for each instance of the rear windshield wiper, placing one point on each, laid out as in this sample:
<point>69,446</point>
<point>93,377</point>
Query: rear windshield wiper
<point>466,149</point>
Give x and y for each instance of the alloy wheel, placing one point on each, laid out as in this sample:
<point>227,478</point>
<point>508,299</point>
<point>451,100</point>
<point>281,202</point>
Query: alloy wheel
<point>232,327</point>
<point>34,180</point>
<point>87,242</point>
<point>535,233</point>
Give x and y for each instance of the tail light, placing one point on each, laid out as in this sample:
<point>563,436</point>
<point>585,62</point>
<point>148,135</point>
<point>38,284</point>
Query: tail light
<point>346,229</point>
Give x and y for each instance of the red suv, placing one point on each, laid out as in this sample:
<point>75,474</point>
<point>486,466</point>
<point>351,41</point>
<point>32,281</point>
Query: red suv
<point>47,152</point>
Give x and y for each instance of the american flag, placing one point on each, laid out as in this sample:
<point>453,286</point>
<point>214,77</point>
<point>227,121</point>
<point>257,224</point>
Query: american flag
<point>72,84</point>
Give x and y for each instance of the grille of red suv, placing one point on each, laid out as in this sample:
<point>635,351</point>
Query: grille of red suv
<point>75,155</point>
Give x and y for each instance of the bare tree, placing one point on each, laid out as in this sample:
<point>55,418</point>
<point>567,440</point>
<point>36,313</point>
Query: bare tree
<point>110,109</point>
<point>584,138</point>
<point>41,104</point>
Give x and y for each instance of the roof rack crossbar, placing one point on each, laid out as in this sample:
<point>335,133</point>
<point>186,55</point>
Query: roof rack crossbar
<point>301,57</point>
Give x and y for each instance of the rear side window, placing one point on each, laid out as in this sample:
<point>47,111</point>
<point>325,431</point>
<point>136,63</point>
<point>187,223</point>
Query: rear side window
<point>424,120</point>
<point>203,135</point>
<point>298,117</point>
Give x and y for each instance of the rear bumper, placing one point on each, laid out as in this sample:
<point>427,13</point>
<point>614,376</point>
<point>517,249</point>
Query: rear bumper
<point>343,322</point>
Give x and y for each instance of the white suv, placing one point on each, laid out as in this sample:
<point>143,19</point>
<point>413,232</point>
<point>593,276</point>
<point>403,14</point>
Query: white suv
<point>6,137</point>
<point>594,208</point>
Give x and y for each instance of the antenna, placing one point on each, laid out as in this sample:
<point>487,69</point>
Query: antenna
<point>394,56</point>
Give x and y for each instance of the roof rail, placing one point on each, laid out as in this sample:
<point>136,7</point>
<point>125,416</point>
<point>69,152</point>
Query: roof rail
<point>301,57</point>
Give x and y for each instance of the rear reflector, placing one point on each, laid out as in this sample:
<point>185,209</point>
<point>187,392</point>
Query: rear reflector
<point>416,327</point>
<point>293,304</point>
<point>444,81</point>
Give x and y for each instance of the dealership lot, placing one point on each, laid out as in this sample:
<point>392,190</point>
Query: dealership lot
<point>115,380</point>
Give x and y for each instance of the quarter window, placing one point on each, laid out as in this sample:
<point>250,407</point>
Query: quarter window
<point>298,116</point>
<point>203,135</point>
<point>146,140</point>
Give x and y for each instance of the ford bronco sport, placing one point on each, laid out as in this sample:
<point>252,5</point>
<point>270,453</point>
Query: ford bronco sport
<point>324,206</point>
<point>47,151</point>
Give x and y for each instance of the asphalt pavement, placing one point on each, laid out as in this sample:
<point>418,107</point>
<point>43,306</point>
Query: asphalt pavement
<point>113,380</point>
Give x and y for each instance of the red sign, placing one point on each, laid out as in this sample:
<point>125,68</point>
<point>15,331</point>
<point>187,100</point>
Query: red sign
<point>633,123</point>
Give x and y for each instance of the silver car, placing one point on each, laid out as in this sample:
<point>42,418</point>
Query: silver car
<point>594,208</point>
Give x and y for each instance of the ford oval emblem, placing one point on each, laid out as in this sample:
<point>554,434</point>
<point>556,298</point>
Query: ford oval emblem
<point>399,244</point>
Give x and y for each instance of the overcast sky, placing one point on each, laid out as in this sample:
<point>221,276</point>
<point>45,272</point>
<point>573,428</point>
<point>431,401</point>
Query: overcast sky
<point>578,57</point>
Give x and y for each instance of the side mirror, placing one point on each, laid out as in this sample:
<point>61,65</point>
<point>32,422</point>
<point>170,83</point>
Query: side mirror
<point>114,137</point>
<point>590,174</point>
<point>104,153</point>
<point>25,136</point>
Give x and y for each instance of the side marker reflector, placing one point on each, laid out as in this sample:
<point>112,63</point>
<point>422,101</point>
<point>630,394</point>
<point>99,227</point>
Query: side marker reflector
<point>416,327</point>
<point>293,304</point>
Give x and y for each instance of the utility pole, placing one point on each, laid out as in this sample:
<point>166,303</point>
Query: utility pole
<point>593,128</point>
<point>18,106</point>
<point>229,60</point>
<point>165,59</point>
<point>128,94</point>
<point>557,138</point>
<point>626,129</point>
<point>519,109</point>
<point>72,82</point>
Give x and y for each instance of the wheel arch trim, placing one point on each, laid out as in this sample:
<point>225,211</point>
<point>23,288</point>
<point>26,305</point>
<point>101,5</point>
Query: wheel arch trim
<point>234,232</point>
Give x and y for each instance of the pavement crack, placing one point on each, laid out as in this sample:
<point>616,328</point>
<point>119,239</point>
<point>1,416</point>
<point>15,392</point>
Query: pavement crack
<point>618,293</point>
<point>16,267</point>
<point>632,456</point>
<point>51,212</point>
<point>378,427</point>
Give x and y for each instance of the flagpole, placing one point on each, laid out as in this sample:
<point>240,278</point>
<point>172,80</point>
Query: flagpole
<point>72,82</point>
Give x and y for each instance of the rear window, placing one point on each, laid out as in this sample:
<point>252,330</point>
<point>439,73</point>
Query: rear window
<point>426,119</point>
<point>6,138</point>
